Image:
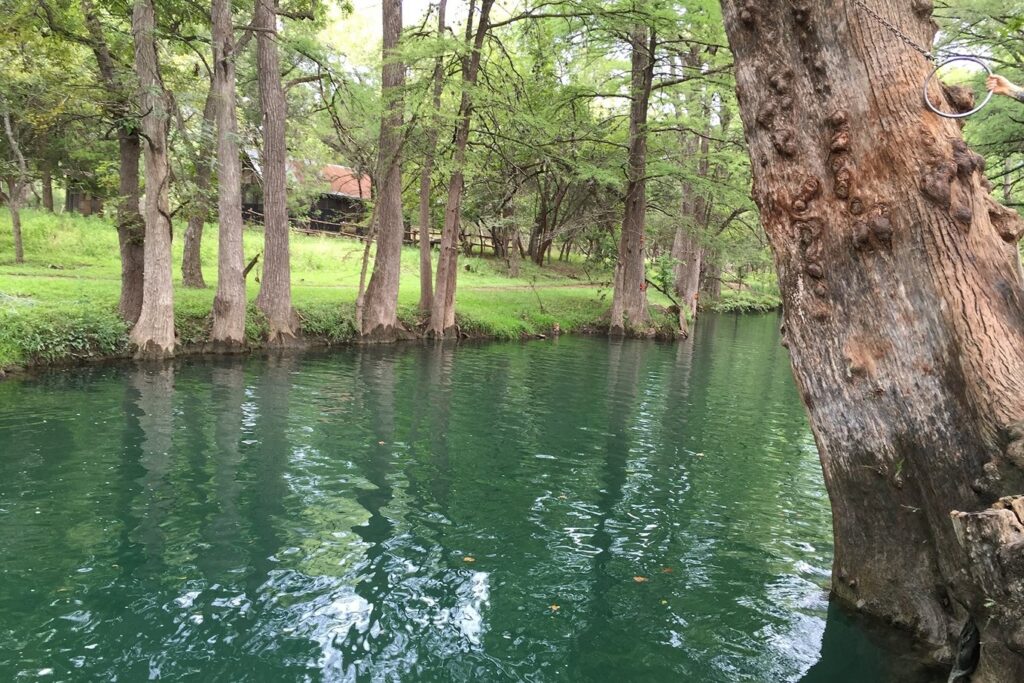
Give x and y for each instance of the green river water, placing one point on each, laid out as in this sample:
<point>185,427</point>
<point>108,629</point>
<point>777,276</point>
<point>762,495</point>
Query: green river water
<point>562,510</point>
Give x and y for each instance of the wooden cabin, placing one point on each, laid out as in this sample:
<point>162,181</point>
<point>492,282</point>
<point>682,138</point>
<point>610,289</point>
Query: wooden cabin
<point>340,203</point>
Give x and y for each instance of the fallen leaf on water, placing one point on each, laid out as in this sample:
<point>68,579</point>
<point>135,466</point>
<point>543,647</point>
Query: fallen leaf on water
<point>664,602</point>
<point>640,579</point>
<point>469,558</point>
<point>563,497</point>
<point>666,570</point>
<point>554,608</point>
<point>380,443</point>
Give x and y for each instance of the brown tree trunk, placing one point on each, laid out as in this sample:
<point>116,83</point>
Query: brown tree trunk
<point>131,230</point>
<point>153,334</point>
<point>629,313</point>
<point>46,178</point>
<point>687,254</point>
<point>380,312</point>
<point>275,297</point>
<point>426,286</point>
<point>228,331</point>
<point>903,314</point>
<point>130,227</point>
<point>15,188</point>
<point>442,313</point>
<point>14,207</point>
<point>191,258</point>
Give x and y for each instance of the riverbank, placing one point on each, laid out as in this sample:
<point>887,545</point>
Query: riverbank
<point>60,307</point>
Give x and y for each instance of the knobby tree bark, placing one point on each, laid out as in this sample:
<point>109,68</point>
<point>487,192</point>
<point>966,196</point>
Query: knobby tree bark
<point>118,82</point>
<point>275,297</point>
<point>433,129</point>
<point>199,212</point>
<point>379,320</point>
<point>228,331</point>
<point>153,334</point>
<point>629,314</point>
<point>442,312</point>
<point>903,314</point>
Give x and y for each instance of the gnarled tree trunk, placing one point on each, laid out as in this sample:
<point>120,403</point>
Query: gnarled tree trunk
<point>380,313</point>
<point>153,334</point>
<point>903,314</point>
<point>629,313</point>
<point>275,297</point>
<point>229,304</point>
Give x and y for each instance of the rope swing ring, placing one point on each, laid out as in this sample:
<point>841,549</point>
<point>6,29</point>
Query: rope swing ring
<point>961,115</point>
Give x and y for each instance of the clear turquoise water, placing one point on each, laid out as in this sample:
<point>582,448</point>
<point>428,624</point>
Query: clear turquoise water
<point>560,510</point>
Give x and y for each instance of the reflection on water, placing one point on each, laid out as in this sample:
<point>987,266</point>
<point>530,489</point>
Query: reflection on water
<point>567,510</point>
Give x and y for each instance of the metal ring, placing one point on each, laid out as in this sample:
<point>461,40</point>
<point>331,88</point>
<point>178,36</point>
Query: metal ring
<point>927,82</point>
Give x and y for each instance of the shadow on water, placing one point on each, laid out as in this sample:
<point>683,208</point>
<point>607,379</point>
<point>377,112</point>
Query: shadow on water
<point>566,510</point>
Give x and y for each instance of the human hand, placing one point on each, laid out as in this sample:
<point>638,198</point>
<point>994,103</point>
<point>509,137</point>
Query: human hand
<point>1001,86</point>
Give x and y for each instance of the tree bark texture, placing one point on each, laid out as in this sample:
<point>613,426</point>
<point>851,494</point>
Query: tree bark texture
<point>229,304</point>
<point>380,312</point>
<point>629,313</point>
<point>117,82</point>
<point>153,334</point>
<point>275,297</point>
<point>442,312</point>
<point>426,184</point>
<point>191,259</point>
<point>903,314</point>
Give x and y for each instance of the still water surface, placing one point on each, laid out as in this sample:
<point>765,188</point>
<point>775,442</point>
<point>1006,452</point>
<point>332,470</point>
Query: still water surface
<point>552,511</point>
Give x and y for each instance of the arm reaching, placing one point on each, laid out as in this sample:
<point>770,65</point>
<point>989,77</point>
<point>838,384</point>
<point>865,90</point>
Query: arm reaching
<point>1002,86</point>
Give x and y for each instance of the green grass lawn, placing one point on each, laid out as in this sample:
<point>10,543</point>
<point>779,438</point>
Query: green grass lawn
<point>62,303</point>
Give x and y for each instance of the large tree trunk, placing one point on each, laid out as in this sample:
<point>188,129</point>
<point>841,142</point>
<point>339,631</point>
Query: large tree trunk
<point>275,297</point>
<point>380,313</point>
<point>130,227</point>
<point>228,331</point>
<point>191,258</point>
<point>903,314</point>
<point>629,313</point>
<point>153,334</point>
<point>426,286</point>
<point>442,312</point>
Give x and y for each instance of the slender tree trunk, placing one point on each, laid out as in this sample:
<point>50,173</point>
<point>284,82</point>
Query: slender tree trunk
<point>46,177</point>
<point>118,84</point>
<point>426,286</point>
<point>629,313</point>
<point>191,259</point>
<point>153,334</point>
<point>380,313</point>
<point>688,254</point>
<point>14,207</point>
<point>228,331</point>
<point>442,313</point>
<point>903,315</point>
<point>275,297</point>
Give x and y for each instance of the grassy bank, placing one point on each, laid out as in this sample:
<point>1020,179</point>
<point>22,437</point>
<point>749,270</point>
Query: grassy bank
<point>61,305</point>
